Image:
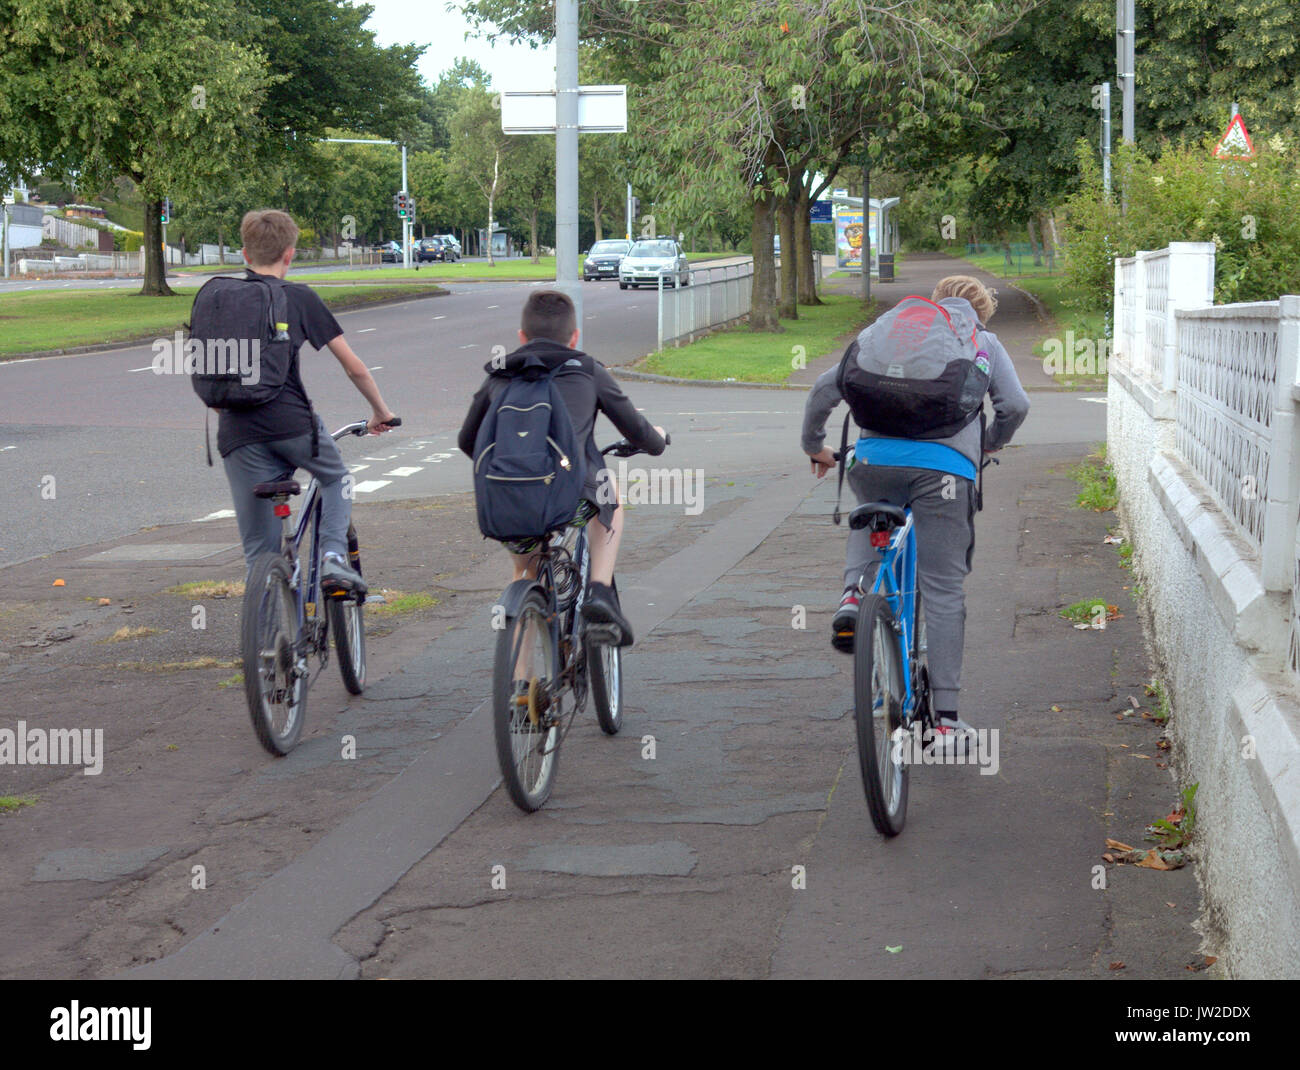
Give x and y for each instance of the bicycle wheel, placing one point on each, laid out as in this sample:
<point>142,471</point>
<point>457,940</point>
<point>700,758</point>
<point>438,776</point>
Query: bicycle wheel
<point>605,670</point>
<point>275,678</point>
<point>921,667</point>
<point>877,713</point>
<point>526,706</point>
<point>348,625</point>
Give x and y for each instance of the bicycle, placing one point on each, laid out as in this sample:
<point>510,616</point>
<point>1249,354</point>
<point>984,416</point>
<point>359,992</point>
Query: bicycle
<point>282,626</point>
<point>891,672</point>
<point>546,660</point>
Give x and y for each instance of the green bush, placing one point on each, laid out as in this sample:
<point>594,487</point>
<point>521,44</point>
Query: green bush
<point>1249,209</point>
<point>127,241</point>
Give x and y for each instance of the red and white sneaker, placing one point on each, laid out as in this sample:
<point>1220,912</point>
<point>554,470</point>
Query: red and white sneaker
<point>845,621</point>
<point>953,737</point>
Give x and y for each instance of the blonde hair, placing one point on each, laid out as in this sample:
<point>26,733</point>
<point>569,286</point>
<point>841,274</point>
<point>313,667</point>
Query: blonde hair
<point>266,234</point>
<point>980,296</point>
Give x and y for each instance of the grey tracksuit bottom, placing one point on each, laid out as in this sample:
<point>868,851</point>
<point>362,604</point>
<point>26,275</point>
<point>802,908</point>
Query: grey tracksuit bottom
<point>943,511</point>
<point>269,462</point>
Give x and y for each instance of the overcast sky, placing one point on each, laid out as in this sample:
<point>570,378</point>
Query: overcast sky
<point>429,22</point>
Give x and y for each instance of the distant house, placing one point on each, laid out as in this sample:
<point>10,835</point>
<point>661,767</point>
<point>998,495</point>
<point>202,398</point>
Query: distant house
<point>84,211</point>
<point>24,226</point>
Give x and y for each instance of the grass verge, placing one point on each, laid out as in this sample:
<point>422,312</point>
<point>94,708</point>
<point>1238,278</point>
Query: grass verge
<point>10,803</point>
<point>742,355</point>
<point>209,589</point>
<point>41,320</point>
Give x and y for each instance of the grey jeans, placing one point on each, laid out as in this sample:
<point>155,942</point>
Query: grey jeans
<point>943,511</point>
<point>268,462</point>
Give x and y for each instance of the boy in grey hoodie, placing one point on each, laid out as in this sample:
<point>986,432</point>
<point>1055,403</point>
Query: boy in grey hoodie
<point>936,478</point>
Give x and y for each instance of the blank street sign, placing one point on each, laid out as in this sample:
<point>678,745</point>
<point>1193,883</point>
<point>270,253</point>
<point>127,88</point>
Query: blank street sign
<point>602,109</point>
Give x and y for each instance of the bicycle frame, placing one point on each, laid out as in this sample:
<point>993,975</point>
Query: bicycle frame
<point>896,582</point>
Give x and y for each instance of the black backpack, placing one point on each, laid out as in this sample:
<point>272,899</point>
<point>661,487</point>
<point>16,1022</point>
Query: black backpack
<point>529,468</point>
<point>242,325</point>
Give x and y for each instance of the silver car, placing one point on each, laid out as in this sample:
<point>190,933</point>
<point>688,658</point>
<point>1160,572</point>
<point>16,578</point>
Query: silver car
<point>650,259</point>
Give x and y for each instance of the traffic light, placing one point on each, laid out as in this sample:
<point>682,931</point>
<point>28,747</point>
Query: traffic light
<point>403,205</point>
<point>410,209</point>
<point>165,217</point>
<point>636,207</point>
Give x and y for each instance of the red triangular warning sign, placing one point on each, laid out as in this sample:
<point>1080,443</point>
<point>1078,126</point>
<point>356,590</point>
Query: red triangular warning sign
<point>1235,143</point>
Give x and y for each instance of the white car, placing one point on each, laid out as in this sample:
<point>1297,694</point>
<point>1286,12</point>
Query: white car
<point>650,259</point>
<point>450,239</point>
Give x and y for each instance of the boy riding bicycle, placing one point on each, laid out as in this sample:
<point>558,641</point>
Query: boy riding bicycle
<point>936,478</point>
<point>268,443</point>
<point>548,333</point>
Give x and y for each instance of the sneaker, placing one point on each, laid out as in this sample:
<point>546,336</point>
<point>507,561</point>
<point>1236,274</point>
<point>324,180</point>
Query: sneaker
<point>845,621</point>
<point>953,737</point>
<point>335,575</point>
<point>602,613</point>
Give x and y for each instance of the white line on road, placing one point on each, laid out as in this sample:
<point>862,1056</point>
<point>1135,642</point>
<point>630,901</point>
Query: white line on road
<point>355,468</point>
<point>370,485</point>
<point>147,367</point>
<point>493,306</point>
<point>472,345</point>
<point>404,471</point>
<point>366,329</point>
<point>1095,401</point>
<point>3,448</point>
<point>220,514</point>
<point>440,317</point>
<point>377,368</point>
<point>390,457</point>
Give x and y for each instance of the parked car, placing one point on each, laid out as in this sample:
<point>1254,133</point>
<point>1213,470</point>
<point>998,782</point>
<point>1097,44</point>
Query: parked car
<point>390,253</point>
<point>433,249</point>
<point>651,258</point>
<point>604,258</point>
<point>450,239</point>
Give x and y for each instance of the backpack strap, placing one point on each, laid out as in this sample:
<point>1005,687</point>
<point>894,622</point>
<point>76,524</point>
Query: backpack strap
<point>979,485</point>
<point>844,452</point>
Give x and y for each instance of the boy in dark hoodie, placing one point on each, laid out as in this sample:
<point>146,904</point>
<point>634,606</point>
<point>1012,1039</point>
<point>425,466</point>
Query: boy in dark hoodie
<point>548,333</point>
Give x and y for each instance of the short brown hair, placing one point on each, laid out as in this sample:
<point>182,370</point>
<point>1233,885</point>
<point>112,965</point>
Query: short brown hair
<point>266,234</point>
<point>980,296</point>
<point>549,314</point>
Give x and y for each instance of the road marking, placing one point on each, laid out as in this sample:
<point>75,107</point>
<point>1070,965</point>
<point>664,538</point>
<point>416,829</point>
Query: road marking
<point>404,471</point>
<point>370,485</point>
<point>3,448</point>
<point>472,345</point>
<point>147,367</point>
<point>494,306</point>
<point>377,368</point>
<point>440,317</point>
<point>390,457</point>
<point>1095,401</point>
<point>366,329</point>
<point>355,468</point>
<point>220,514</point>
<point>433,458</point>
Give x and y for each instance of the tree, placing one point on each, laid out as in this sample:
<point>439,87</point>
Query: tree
<point>480,152</point>
<point>532,181</point>
<point>98,91</point>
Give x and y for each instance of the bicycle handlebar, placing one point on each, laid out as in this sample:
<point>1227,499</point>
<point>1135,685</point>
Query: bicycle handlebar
<point>623,448</point>
<point>362,427</point>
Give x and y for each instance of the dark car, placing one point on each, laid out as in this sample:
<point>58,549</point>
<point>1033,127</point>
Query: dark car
<point>433,249</point>
<point>390,253</point>
<point>604,258</point>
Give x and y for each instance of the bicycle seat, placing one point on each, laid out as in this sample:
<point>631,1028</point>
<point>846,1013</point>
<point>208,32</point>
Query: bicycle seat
<point>878,516</point>
<point>270,490</point>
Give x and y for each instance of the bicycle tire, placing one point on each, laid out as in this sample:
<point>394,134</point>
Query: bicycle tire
<point>878,684</point>
<point>347,622</point>
<point>528,752</point>
<point>268,635</point>
<point>605,672</point>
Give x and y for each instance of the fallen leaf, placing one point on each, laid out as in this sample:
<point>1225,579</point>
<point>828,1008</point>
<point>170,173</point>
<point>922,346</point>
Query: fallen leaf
<point>1134,702</point>
<point>1152,860</point>
<point>1146,756</point>
<point>1169,904</point>
<point>1108,857</point>
<point>105,601</point>
<point>59,583</point>
<point>1117,965</point>
<point>1210,960</point>
<point>894,950</point>
<point>1162,744</point>
<point>1082,627</point>
<point>1056,709</point>
<point>1117,845</point>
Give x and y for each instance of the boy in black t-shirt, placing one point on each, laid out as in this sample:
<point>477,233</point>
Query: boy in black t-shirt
<point>270,442</point>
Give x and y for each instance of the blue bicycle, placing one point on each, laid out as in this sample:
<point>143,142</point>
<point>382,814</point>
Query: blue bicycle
<point>891,676</point>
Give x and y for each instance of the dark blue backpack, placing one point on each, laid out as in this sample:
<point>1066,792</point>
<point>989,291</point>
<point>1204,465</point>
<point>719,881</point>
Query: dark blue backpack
<point>529,468</point>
